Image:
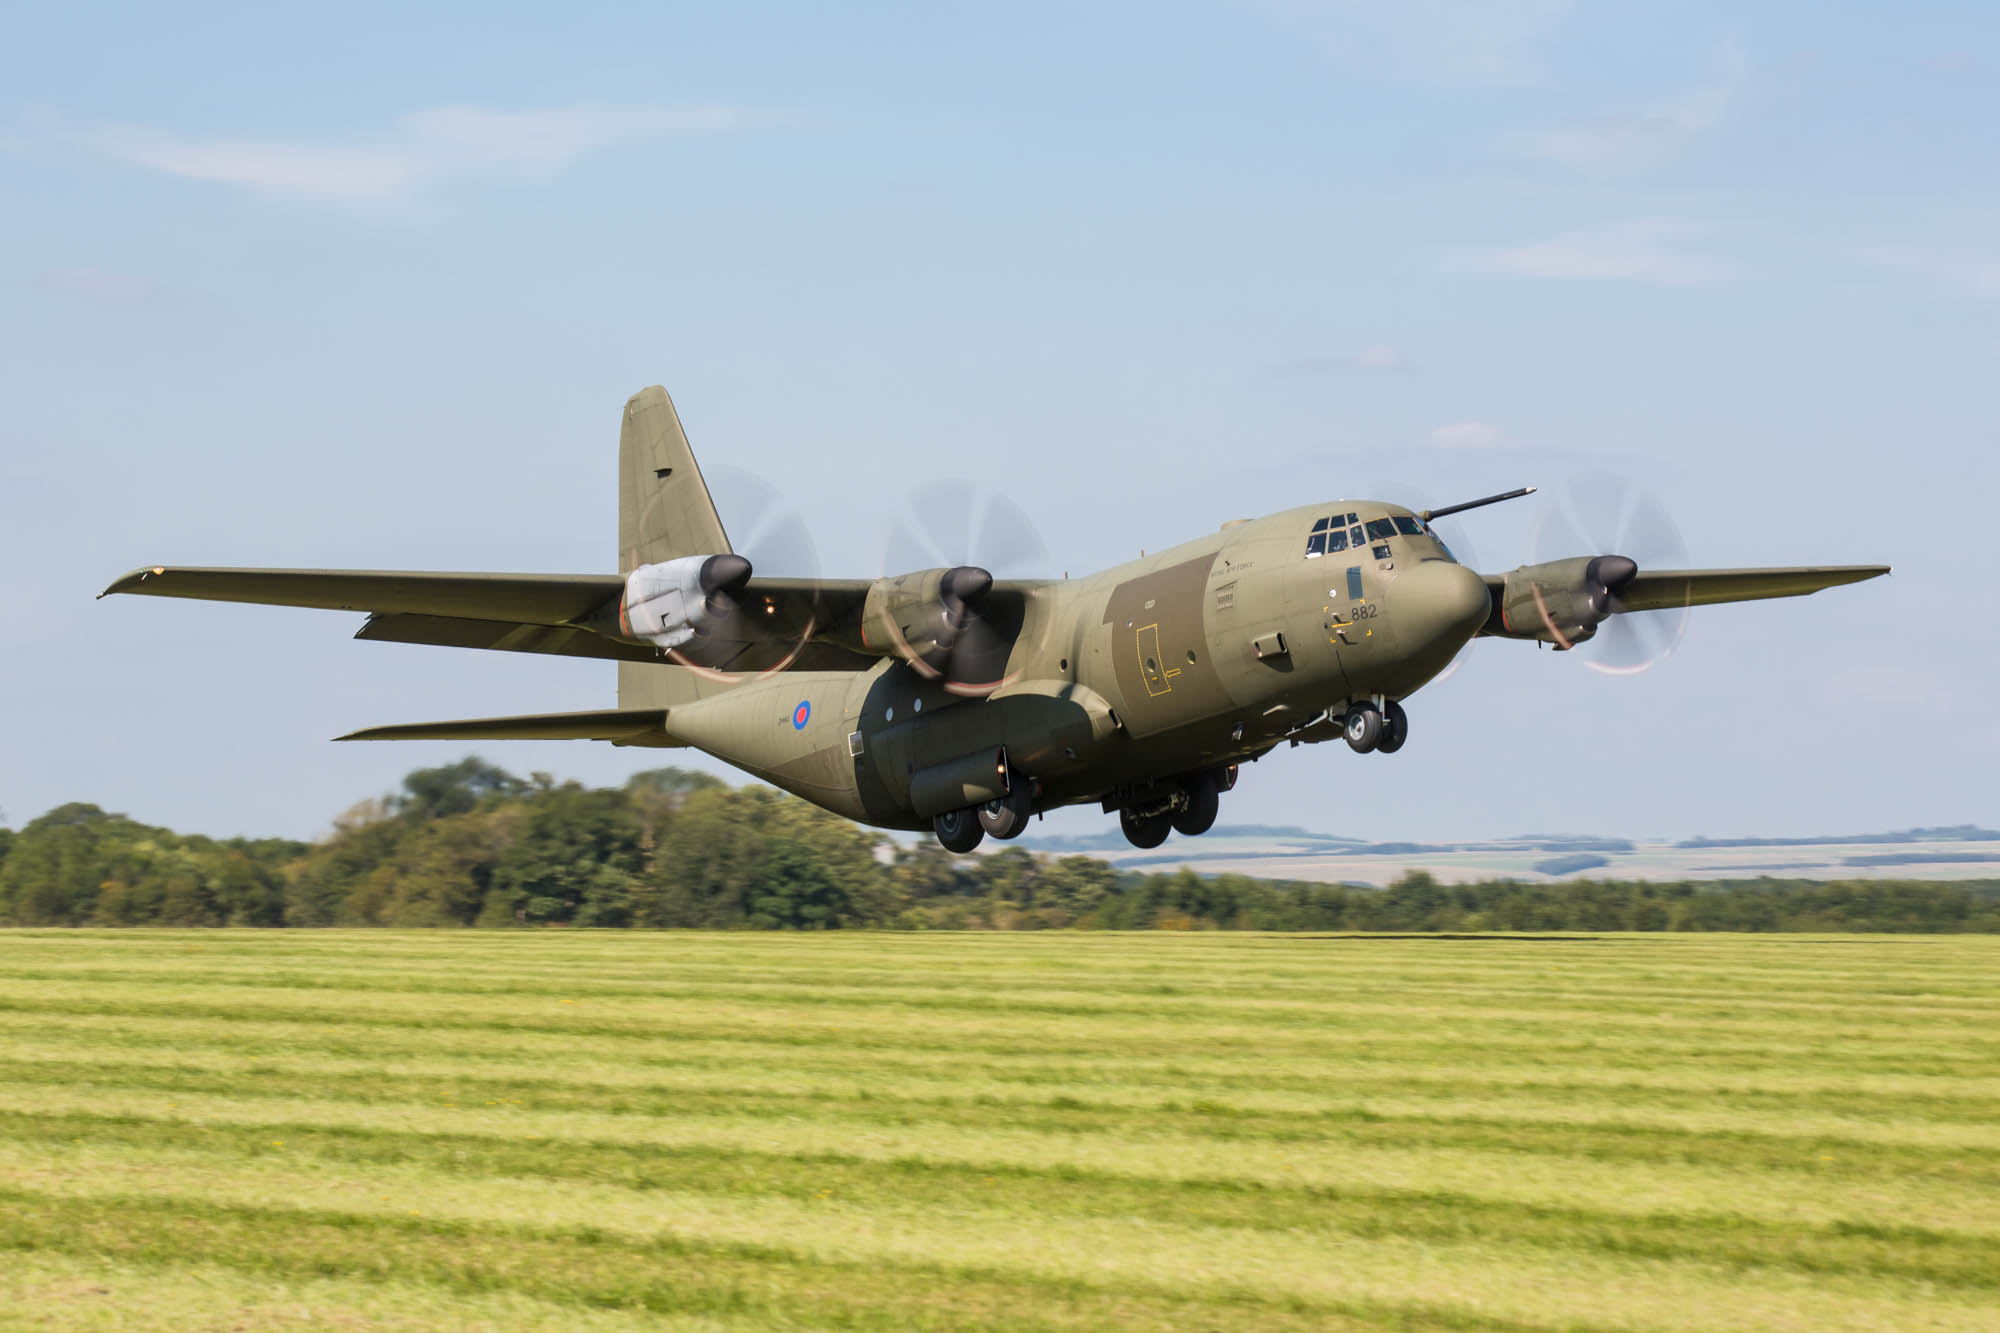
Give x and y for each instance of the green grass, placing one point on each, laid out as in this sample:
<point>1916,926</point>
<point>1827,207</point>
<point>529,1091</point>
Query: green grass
<point>704,1132</point>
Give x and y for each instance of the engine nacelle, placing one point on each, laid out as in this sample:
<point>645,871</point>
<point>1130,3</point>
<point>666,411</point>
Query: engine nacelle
<point>669,603</point>
<point>1561,602</point>
<point>918,616</point>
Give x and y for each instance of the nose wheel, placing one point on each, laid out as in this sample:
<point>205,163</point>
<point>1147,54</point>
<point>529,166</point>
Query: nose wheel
<point>1383,730</point>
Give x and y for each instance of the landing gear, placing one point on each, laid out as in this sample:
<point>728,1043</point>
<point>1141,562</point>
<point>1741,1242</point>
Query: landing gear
<point>1005,816</point>
<point>1203,800</point>
<point>958,830</point>
<point>1147,831</point>
<point>1363,727</point>
<point>1148,811</point>
<point>1395,729</point>
<point>1381,729</point>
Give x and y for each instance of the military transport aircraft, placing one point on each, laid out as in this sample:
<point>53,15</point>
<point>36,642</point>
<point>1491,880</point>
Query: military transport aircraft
<point>946,699</point>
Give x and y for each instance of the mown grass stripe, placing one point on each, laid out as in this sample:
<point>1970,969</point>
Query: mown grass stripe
<point>1730,1240</point>
<point>591,1267</point>
<point>1356,1126</point>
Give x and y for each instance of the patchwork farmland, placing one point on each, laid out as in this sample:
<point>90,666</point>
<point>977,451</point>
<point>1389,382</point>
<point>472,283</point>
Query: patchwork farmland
<point>251,1130</point>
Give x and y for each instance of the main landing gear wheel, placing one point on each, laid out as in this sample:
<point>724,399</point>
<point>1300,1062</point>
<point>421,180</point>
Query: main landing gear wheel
<point>1363,728</point>
<point>1146,831</point>
<point>1395,729</point>
<point>1006,816</point>
<point>958,830</point>
<point>1203,800</point>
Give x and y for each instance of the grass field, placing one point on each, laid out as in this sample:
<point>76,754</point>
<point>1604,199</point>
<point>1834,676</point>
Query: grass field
<point>596,1131</point>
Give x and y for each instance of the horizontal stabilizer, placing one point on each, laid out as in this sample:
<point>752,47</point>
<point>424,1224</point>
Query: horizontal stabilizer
<point>620,726</point>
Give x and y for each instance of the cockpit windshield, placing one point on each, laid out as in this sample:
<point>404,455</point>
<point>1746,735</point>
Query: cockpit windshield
<point>1330,534</point>
<point>1339,532</point>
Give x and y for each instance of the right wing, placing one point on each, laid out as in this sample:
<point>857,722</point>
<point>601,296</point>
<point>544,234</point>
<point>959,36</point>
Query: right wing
<point>569,614</point>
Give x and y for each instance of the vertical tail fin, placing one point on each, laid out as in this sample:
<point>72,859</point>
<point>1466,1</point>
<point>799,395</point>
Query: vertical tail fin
<point>664,511</point>
<point>663,505</point>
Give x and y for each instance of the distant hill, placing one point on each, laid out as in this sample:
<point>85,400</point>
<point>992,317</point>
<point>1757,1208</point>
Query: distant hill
<point>1961,851</point>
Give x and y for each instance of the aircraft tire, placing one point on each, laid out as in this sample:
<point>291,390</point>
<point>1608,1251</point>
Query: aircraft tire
<point>1203,801</point>
<point>1144,832</point>
<point>1395,729</point>
<point>958,830</point>
<point>1363,728</point>
<point>1007,816</point>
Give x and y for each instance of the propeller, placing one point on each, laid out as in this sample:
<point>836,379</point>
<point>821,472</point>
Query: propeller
<point>1606,513</point>
<point>768,539</point>
<point>980,535</point>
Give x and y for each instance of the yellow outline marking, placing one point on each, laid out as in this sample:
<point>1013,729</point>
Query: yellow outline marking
<point>1139,647</point>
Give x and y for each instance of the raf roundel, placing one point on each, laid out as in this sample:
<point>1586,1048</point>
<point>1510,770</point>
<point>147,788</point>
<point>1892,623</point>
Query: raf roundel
<point>802,715</point>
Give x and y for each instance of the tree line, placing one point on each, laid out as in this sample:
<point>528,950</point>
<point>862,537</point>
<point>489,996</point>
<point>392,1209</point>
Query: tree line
<point>470,844</point>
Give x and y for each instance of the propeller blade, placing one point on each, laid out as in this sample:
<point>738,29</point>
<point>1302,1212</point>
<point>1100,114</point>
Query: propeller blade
<point>1631,643</point>
<point>1651,538</point>
<point>1556,538</point>
<point>1007,539</point>
<point>1600,502</point>
<point>768,538</point>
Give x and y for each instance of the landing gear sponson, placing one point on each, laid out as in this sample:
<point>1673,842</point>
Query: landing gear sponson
<point>1188,804</point>
<point>1146,812</point>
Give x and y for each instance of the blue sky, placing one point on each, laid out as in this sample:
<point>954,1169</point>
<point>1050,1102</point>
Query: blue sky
<point>366,288</point>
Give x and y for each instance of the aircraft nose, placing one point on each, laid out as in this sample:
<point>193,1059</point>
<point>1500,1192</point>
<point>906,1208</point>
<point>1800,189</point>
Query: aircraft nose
<point>1440,603</point>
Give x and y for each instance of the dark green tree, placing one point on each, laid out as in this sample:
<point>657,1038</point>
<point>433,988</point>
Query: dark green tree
<point>573,858</point>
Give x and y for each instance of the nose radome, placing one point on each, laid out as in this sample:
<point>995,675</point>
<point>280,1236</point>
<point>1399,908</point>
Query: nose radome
<point>1440,601</point>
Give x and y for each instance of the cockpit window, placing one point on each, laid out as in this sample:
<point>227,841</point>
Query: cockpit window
<point>1331,534</point>
<point>1381,529</point>
<point>1408,526</point>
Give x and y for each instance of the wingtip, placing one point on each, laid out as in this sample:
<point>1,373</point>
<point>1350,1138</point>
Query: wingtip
<point>127,582</point>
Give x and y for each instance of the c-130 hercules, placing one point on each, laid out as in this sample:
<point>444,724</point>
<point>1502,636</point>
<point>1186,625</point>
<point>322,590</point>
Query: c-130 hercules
<point>949,700</point>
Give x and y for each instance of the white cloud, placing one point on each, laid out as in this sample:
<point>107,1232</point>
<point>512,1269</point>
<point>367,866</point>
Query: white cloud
<point>1633,252</point>
<point>1448,41</point>
<point>1467,435</point>
<point>425,147</point>
<point>1379,358</point>
<point>1638,139</point>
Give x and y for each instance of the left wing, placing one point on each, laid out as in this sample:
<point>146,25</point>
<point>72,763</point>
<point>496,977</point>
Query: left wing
<point>1671,589</point>
<point>1667,589</point>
